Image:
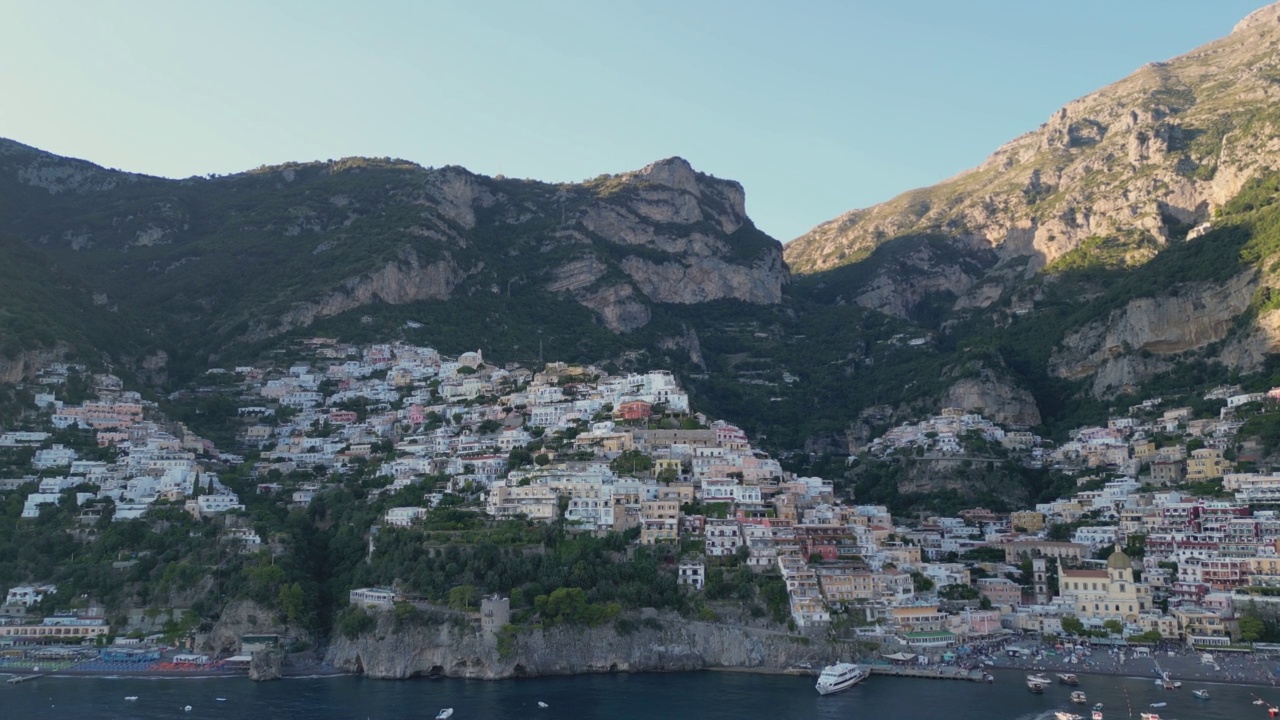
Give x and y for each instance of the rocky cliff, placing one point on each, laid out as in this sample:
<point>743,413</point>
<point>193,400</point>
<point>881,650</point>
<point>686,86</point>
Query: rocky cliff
<point>1138,159</point>
<point>659,642</point>
<point>255,254</point>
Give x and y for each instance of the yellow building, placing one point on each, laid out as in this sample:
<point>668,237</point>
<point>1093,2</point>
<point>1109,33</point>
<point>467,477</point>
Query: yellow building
<point>1029,520</point>
<point>659,521</point>
<point>1109,594</point>
<point>1206,464</point>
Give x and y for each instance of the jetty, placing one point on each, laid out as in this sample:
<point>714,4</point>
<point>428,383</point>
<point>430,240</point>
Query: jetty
<point>943,673</point>
<point>23,678</point>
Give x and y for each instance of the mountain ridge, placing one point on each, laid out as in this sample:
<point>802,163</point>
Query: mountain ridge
<point>1161,125</point>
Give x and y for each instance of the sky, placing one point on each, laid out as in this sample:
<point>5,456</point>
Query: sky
<point>816,106</point>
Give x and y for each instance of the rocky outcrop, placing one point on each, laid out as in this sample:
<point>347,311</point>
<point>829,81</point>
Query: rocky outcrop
<point>404,280</point>
<point>25,364</point>
<point>654,642</point>
<point>995,398</point>
<point>706,279</point>
<point>1174,140</point>
<point>266,665</point>
<point>1133,343</point>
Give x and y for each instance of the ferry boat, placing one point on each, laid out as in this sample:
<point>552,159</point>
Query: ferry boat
<point>1068,679</point>
<point>1036,687</point>
<point>1078,697</point>
<point>840,676</point>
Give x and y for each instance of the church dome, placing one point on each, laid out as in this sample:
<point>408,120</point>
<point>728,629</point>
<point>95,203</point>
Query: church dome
<point>1119,561</point>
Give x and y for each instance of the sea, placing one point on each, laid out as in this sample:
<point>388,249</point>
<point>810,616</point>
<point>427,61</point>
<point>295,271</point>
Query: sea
<point>658,696</point>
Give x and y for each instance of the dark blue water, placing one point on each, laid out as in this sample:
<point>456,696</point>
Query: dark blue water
<point>700,696</point>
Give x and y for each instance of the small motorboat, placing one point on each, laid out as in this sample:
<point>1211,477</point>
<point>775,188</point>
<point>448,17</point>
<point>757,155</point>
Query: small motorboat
<point>1095,715</point>
<point>186,709</point>
<point>1159,704</point>
<point>131,698</point>
<point>988,678</point>
<point>220,699</point>
<point>1036,687</point>
<point>1039,678</point>
<point>444,714</point>
<point>1149,716</point>
<point>1201,693</point>
<point>1068,679</point>
<point>542,704</point>
<point>1064,715</point>
<point>1078,697</point>
<point>1259,701</point>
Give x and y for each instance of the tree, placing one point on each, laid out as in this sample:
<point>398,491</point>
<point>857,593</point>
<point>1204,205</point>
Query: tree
<point>922,583</point>
<point>541,460</point>
<point>463,597</point>
<point>1113,626</point>
<point>292,602</point>
<point>1251,627</point>
<point>1072,625</point>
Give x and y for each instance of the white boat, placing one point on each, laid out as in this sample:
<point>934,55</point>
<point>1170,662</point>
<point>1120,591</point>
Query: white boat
<point>1159,704</point>
<point>1039,678</point>
<point>840,676</point>
<point>1036,687</point>
<point>444,714</point>
<point>1149,716</point>
<point>1079,697</point>
<point>1201,693</point>
<point>542,704</point>
<point>1064,715</point>
<point>1068,679</point>
<point>131,698</point>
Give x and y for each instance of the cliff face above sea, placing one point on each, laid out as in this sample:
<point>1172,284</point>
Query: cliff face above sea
<point>660,642</point>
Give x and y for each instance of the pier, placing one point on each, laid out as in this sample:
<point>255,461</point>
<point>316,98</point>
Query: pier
<point>949,673</point>
<point>23,678</point>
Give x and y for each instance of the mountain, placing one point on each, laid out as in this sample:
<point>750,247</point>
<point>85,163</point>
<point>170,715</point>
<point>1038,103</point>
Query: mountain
<point>1128,236</point>
<point>249,256</point>
<point>1126,249</point>
<point>1116,175</point>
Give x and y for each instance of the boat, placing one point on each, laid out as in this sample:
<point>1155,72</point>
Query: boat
<point>1068,679</point>
<point>1201,693</point>
<point>1040,678</point>
<point>988,678</point>
<point>1159,704</point>
<point>444,713</point>
<point>187,709</point>
<point>1259,701</point>
<point>1149,716</point>
<point>1036,687</point>
<point>1095,715</point>
<point>840,676</point>
<point>542,704</point>
<point>1078,697</point>
<point>220,699</point>
<point>1064,715</point>
<point>131,698</point>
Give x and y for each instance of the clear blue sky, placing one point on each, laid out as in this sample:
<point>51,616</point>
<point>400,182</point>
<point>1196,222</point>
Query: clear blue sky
<point>817,107</point>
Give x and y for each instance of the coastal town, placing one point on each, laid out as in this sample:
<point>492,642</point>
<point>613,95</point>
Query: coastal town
<point>1166,538</point>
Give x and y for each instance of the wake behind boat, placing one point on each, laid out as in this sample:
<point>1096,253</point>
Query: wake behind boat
<point>840,676</point>
<point>444,714</point>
